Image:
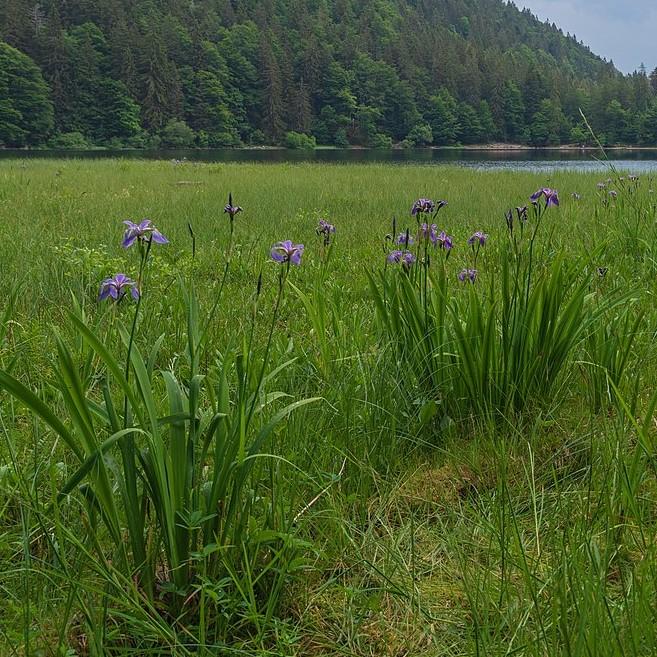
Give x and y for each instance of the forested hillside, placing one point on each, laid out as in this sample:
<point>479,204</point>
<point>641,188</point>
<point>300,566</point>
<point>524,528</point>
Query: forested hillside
<point>361,72</point>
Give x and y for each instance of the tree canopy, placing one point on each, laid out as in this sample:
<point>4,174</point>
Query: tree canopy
<point>362,72</point>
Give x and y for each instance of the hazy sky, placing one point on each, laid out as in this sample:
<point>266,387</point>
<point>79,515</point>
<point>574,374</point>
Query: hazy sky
<point>622,30</point>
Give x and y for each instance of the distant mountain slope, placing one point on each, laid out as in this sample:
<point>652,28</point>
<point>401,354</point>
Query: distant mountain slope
<point>373,72</point>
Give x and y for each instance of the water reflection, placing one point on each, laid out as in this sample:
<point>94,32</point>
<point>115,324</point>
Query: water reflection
<point>544,159</point>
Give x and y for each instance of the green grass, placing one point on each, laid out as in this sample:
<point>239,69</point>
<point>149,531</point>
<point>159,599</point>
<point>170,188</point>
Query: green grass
<point>432,468</point>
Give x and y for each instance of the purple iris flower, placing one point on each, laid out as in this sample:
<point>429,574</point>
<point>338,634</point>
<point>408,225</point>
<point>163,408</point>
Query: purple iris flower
<point>444,241</point>
<point>428,232</point>
<point>601,185</point>
<point>466,275</point>
<point>143,232</point>
<point>478,238</point>
<point>404,239</point>
<point>633,178</point>
<point>613,194</point>
<point>117,287</point>
<point>231,209</point>
<point>324,227</point>
<point>287,251</point>
<point>551,197</point>
<point>423,206</point>
<point>405,258</point>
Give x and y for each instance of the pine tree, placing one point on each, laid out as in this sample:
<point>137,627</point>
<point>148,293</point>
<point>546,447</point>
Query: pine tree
<point>26,113</point>
<point>443,118</point>
<point>272,93</point>
<point>514,113</point>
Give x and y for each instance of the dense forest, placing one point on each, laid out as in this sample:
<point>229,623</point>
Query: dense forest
<point>207,73</point>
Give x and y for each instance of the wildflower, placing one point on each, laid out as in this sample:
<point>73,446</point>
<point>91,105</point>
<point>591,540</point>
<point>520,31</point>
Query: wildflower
<point>576,196</point>
<point>478,237</point>
<point>287,252</point>
<point>551,196</point>
<point>428,232</point>
<point>423,206</point>
<point>326,229</point>
<point>613,194</point>
<point>143,232</point>
<point>466,275</point>
<point>117,287</point>
<point>522,213</point>
<point>231,209</point>
<point>405,239</point>
<point>601,185</point>
<point>405,258</point>
<point>633,178</point>
<point>444,241</point>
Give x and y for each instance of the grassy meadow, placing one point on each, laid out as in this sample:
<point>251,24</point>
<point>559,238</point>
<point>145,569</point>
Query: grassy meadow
<point>346,457</point>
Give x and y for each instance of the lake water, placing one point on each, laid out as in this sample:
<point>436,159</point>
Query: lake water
<point>544,159</point>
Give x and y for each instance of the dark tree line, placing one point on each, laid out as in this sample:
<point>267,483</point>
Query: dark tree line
<point>363,72</point>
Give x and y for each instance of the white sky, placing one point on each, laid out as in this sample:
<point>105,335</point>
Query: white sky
<point>622,30</point>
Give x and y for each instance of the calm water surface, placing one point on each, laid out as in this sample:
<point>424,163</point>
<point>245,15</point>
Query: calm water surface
<point>626,160</point>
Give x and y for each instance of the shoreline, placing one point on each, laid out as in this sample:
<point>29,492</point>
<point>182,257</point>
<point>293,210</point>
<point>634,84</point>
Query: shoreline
<point>488,148</point>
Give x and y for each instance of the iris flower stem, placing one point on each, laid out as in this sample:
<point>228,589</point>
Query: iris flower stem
<point>142,267</point>
<point>282,277</point>
<point>127,447</point>
<point>215,306</point>
<point>531,253</point>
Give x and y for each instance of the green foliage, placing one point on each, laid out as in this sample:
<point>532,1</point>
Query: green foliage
<point>420,135</point>
<point>382,141</point>
<point>73,141</point>
<point>26,112</point>
<point>443,118</point>
<point>188,451</point>
<point>299,141</point>
<point>177,134</point>
<point>495,352</point>
<point>487,488</point>
<point>342,72</point>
